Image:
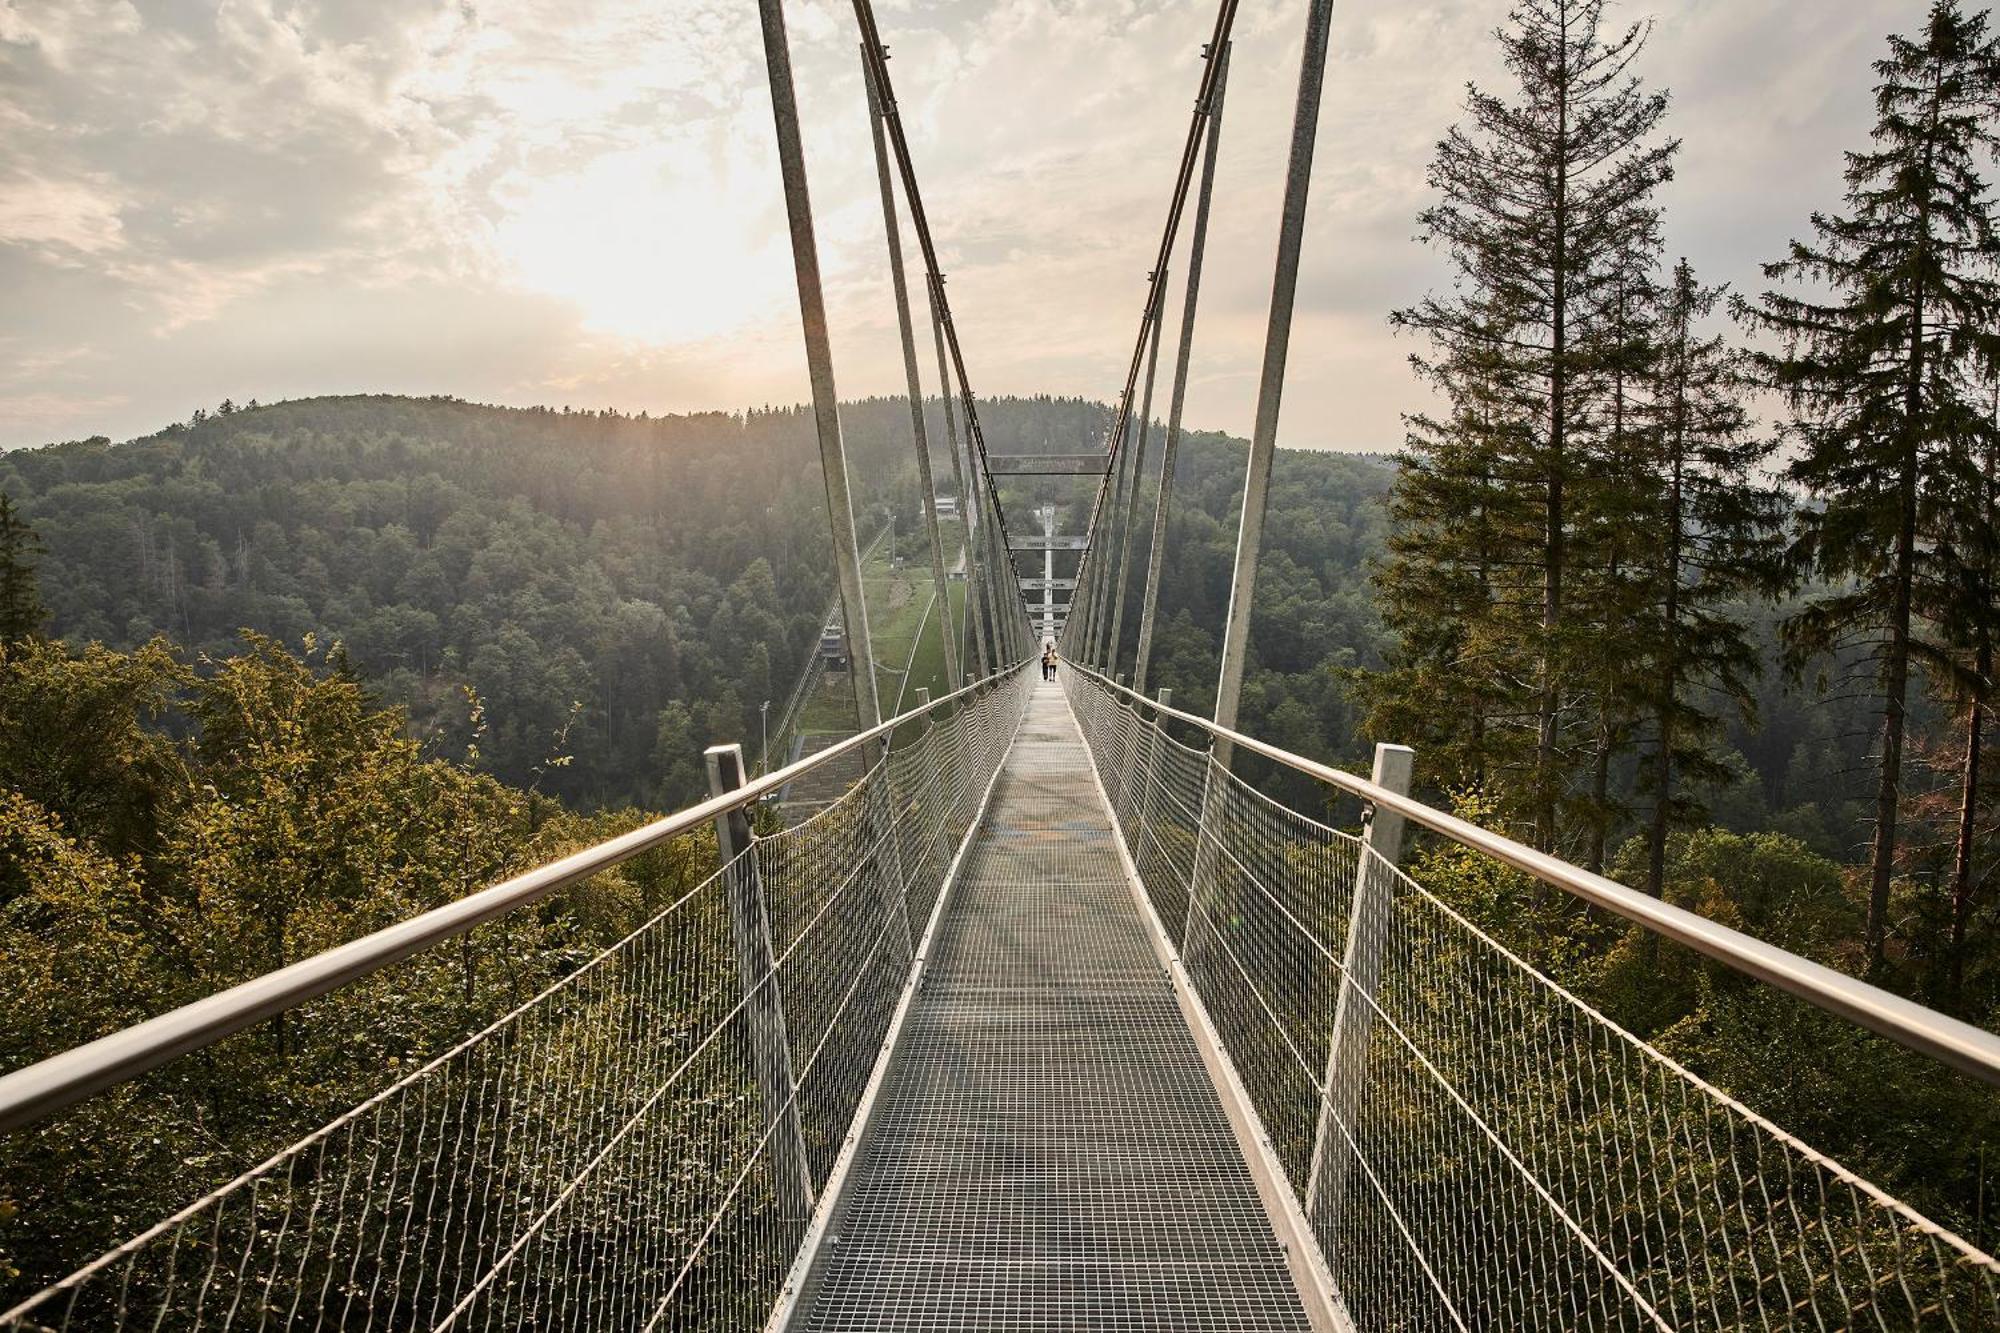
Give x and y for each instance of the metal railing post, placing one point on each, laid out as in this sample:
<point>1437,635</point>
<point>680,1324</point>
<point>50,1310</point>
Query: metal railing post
<point>819,361</point>
<point>1360,974</point>
<point>926,485</point>
<point>1271,386</point>
<point>1170,447</point>
<point>763,1005</point>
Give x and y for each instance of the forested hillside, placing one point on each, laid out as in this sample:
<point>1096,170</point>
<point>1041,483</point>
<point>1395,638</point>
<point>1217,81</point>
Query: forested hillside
<point>1315,617</point>
<point>585,599</point>
<point>594,579</point>
<point>615,591</point>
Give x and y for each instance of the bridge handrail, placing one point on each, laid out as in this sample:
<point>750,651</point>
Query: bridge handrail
<point>29,1093</point>
<point>1939,1036</point>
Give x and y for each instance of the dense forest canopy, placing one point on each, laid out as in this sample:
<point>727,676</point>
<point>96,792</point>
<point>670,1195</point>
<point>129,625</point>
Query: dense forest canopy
<point>167,831</point>
<point>581,573</point>
<point>615,591</point>
<point>600,596</point>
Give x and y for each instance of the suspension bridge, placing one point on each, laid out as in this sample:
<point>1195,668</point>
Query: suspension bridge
<point>1050,1021</point>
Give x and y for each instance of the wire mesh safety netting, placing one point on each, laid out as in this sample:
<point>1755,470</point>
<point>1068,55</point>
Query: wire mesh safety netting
<point>1475,1147</point>
<point>620,1151</point>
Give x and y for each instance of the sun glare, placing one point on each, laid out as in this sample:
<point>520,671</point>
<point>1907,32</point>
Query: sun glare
<point>650,245</point>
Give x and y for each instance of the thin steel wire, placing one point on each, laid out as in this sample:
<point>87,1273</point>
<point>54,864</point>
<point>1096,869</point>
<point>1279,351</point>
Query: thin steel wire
<point>602,1157</point>
<point>1498,1153</point>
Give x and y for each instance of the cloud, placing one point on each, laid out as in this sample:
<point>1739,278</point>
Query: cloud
<point>531,200</point>
<point>64,222</point>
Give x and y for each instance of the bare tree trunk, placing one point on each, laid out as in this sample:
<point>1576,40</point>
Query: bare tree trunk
<point>1963,885</point>
<point>1670,666</point>
<point>1547,726</point>
<point>1663,761</point>
<point>1896,666</point>
<point>1600,791</point>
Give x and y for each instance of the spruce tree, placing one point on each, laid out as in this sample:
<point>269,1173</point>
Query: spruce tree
<point>1968,609</point>
<point>22,614</point>
<point>1613,534</point>
<point>1878,365</point>
<point>1546,207</point>
<point>1715,539</point>
<point>1455,684</point>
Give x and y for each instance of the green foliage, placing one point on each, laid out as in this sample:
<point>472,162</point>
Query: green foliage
<point>1890,1114</point>
<point>169,830</point>
<point>21,611</point>
<point>76,737</point>
<point>577,570</point>
<point>1316,622</point>
<point>1709,529</point>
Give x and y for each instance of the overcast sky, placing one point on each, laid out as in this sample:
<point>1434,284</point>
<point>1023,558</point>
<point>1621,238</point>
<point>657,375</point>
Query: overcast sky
<point>577,201</point>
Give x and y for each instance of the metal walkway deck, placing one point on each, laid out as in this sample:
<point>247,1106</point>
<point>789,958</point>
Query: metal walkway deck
<point>1048,1151</point>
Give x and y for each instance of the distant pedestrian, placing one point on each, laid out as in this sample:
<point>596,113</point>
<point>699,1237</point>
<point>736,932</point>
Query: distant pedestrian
<point>1049,663</point>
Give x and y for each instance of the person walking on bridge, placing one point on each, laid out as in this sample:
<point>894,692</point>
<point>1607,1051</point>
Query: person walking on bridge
<point>1049,662</point>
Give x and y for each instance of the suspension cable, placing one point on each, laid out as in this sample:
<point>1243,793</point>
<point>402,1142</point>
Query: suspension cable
<point>877,56</point>
<point>1225,19</point>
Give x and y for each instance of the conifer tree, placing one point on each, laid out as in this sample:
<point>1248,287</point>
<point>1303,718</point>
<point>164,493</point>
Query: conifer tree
<point>1968,610</point>
<point>1880,373</point>
<point>1546,205</point>
<point>1455,683</point>
<point>1716,538</point>
<point>1621,494</point>
<point>22,614</point>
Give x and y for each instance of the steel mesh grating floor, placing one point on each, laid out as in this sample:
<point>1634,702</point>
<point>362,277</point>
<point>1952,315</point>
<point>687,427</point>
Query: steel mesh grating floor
<point>1047,1151</point>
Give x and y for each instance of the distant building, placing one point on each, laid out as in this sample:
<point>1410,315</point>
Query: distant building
<point>833,647</point>
<point>947,506</point>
